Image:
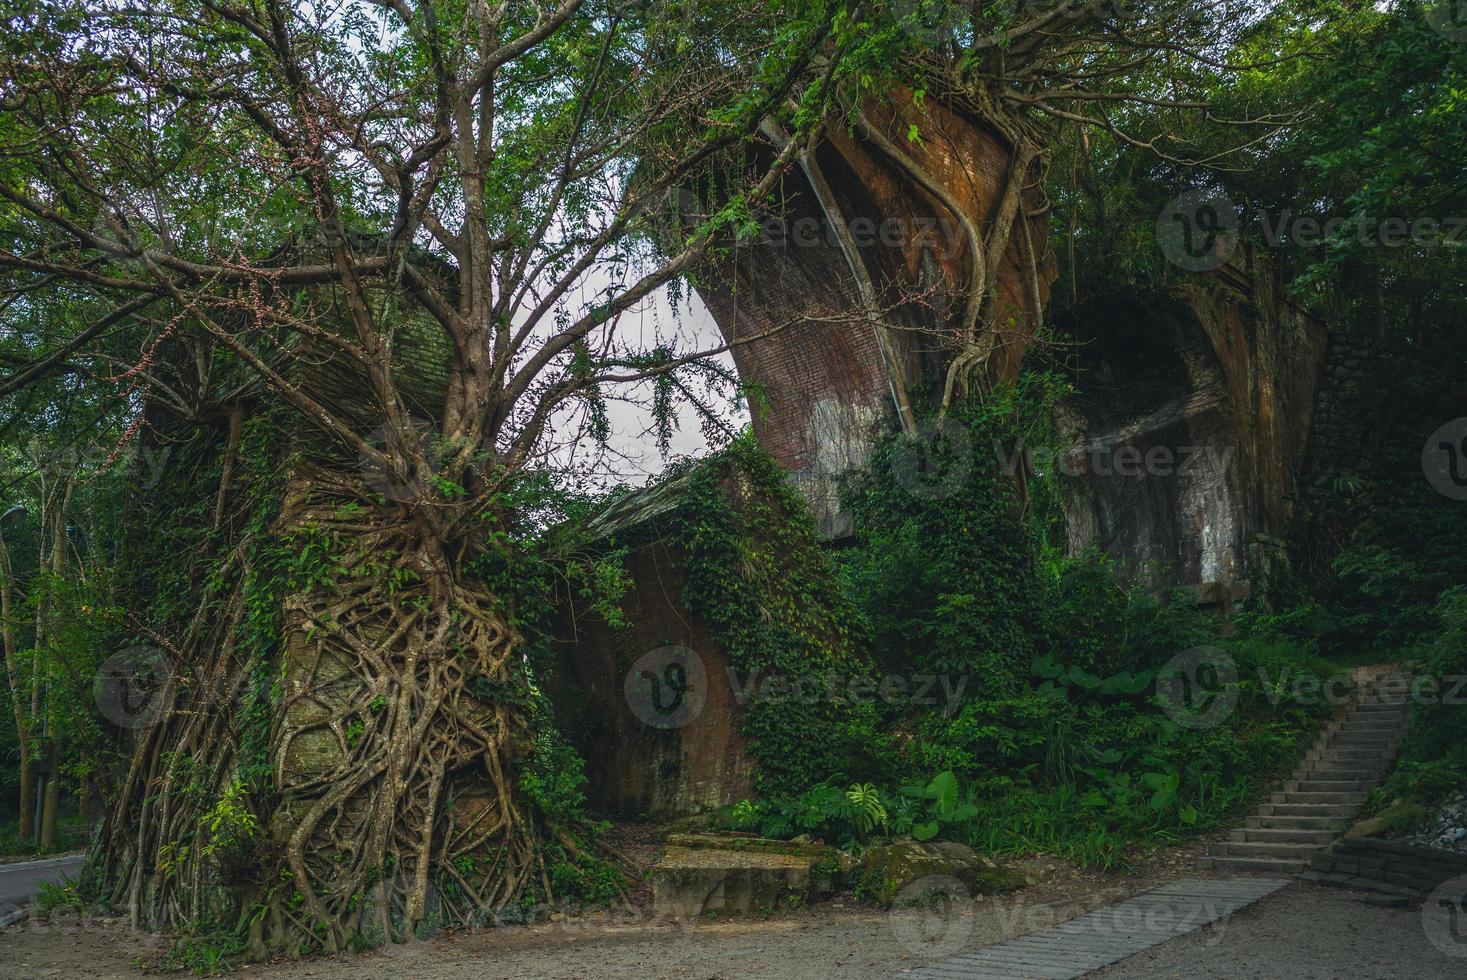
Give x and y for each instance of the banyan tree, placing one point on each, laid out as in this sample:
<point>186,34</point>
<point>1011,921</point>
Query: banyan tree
<point>371,266</point>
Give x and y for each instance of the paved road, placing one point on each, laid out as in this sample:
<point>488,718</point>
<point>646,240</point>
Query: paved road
<point>1303,933</point>
<point>19,882</point>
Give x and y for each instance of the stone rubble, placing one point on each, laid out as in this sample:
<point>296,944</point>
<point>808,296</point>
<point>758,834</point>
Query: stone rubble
<point>1447,830</point>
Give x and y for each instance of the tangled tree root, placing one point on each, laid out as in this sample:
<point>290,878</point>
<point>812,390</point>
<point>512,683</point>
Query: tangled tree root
<point>381,798</point>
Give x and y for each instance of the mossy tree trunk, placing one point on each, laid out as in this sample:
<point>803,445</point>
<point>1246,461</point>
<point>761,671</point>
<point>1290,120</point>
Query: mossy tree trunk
<point>361,783</point>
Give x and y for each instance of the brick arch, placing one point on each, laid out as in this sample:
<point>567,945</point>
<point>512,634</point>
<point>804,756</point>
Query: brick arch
<point>824,381</point>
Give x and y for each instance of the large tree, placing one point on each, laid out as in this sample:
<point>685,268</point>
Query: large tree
<point>198,168</point>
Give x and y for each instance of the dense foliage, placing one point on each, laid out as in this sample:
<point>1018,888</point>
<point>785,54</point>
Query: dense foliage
<point>190,202</point>
<point>1056,739</point>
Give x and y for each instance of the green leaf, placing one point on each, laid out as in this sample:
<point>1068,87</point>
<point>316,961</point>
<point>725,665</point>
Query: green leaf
<point>1046,667</point>
<point>943,789</point>
<point>924,831</point>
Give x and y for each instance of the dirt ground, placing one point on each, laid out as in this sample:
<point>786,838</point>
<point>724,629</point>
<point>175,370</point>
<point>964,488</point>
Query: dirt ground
<point>832,939</point>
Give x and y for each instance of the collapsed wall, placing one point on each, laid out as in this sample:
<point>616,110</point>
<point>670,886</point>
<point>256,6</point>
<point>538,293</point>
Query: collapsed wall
<point>711,688</point>
<point>1190,425</point>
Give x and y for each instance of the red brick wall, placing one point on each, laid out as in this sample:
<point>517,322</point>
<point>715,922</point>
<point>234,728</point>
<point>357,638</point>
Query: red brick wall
<point>825,387</point>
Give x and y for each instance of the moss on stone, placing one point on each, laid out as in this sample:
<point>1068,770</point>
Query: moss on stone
<point>887,870</point>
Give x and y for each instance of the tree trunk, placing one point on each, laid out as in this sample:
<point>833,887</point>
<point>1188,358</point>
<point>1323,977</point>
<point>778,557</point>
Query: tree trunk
<point>17,702</point>
<point>49,806</point>
<point>392,734</point>
<point>27,796</point>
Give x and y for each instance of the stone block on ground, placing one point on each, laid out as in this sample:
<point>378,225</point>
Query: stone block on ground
<point>705,874</point>
<point>890,868</point>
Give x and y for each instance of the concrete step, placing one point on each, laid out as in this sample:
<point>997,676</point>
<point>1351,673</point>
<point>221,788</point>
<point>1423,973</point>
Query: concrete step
<point>1274,865</point>
<point>1330,825</point>
<point>1295,796</point>
<point>1306,810</point>
<point>1357,755</point>
<point>1371,776</point>
<point>1346,760</point>
<point>1281,835</point>
<point>1314,785</point>
<point>1358,883</point>
<point>1364,741</point>
<point>1264,849</point>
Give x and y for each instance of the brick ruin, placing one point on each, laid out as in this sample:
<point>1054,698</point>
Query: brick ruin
<point>1191,425</point>
<point>828,378</point>
<point>1215,378</point>
<point>1189,428</point>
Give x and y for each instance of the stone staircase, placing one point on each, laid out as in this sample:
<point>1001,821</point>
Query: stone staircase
<point>1326,791</point>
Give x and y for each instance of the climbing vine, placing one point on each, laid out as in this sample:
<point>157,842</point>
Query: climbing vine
<point>947,568</point>
<point>756,572</point>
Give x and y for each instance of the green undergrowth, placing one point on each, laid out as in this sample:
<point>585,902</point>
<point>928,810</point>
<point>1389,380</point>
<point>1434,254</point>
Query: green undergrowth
<point>1432,764</point>
<point>1051,733</point>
